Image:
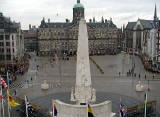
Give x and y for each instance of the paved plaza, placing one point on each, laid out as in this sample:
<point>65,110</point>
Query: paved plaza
<point>109,86</point>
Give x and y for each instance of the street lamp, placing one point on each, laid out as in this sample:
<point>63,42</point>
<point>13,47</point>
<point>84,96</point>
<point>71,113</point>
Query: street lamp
<point>148,86</point>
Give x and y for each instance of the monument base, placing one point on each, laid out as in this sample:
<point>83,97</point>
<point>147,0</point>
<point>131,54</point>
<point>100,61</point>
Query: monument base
<point>88,94</point>
<point>99,110</point>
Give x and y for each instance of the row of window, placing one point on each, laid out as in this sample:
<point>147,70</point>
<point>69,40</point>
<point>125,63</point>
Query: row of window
<point>2,57</point>
<point>7,44</point>
<point>8,50</point>
<point>7,37</point>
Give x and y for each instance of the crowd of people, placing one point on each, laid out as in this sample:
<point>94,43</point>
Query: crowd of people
<point>148,64</point>
<point>14,69</point>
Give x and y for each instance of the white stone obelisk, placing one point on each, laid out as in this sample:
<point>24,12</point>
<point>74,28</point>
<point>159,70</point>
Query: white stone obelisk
<point>83,92</point>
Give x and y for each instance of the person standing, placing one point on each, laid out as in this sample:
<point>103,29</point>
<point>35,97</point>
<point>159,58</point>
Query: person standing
<point>139,76</point>
<point>15,92</point>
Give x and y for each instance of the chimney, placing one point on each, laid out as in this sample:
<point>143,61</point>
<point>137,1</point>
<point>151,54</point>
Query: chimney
<point>106,21</point>
<point>94,20</point>
<point>67,21</point>
<point>48,20</point>
<point>90,20</point>
<point>29,26</point>
<point>34,27</point>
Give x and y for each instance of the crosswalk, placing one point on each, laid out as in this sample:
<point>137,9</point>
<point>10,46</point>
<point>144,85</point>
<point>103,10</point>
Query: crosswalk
<point>33,84</point>
<point>16,85</point>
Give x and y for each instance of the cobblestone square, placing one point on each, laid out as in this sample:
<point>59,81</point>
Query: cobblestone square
<point>111,85</point>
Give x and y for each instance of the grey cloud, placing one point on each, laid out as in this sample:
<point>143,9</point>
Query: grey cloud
<point>32,11</point>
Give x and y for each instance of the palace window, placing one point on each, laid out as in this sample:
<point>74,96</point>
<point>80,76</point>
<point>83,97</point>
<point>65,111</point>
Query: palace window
<point>1,37</point>
<point>8,50</point>
<point>1,44</point>
<point>7,37</point>
<point>7,43</point>
<point>8,57</point>
<point>1,57</point>
<point>1,50</point>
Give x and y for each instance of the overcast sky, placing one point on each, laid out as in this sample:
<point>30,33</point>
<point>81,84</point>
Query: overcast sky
<point>121,11</point>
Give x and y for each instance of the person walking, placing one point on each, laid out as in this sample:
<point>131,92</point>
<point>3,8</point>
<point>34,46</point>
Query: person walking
<point>139,76</point>
<point>119,73</point>
<point>37,67</point>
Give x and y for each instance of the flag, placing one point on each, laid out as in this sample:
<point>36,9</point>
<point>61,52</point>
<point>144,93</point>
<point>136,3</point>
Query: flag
<point>54,111</point>
<point>3,83</point>
<point>2,101</point>
<point>90,112</point>
<point>11,102</point>
<point>122,110</point>
<point>29,107</point>
<point>1,97</point>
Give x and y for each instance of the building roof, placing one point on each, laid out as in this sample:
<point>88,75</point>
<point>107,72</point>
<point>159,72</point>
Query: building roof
<point>7,24</point>
<point>101,25</point>
<point>56,25</point>
<point>68,25</point>
<point>147,24</point>
<point>130,25</point>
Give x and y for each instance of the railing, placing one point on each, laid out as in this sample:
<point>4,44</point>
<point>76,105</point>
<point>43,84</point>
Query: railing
<point>141,106</point>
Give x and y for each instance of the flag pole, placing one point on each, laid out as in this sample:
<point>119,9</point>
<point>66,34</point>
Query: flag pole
<point>1,100</point>
<point>145,105</point>
<point>120,104</point>
<point>8,96</point>
<point>2,105</point>
<point>26,106</point>
<point>52,110</point>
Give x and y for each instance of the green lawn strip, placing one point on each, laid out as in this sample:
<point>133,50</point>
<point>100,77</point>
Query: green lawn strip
<point>98,66</point>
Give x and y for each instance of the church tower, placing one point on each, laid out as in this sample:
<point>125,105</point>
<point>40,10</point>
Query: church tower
<point>78,12</point>
<point>155,21</point>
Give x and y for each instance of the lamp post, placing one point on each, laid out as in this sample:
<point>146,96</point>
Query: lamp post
<point>148,86</point>
<point>59,56</point>
<point>133,62</point>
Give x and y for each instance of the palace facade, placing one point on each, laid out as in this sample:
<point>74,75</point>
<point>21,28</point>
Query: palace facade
<point>53,37</point>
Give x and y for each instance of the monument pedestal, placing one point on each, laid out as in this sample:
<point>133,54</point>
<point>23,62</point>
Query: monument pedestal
<point>68,110</point>
<point>45,86</point>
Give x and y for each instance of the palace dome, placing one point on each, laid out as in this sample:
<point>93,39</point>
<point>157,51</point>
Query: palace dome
<point>78,5</point>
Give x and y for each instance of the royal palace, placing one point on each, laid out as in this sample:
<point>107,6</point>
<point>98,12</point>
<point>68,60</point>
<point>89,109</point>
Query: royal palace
<point>104,37</point>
